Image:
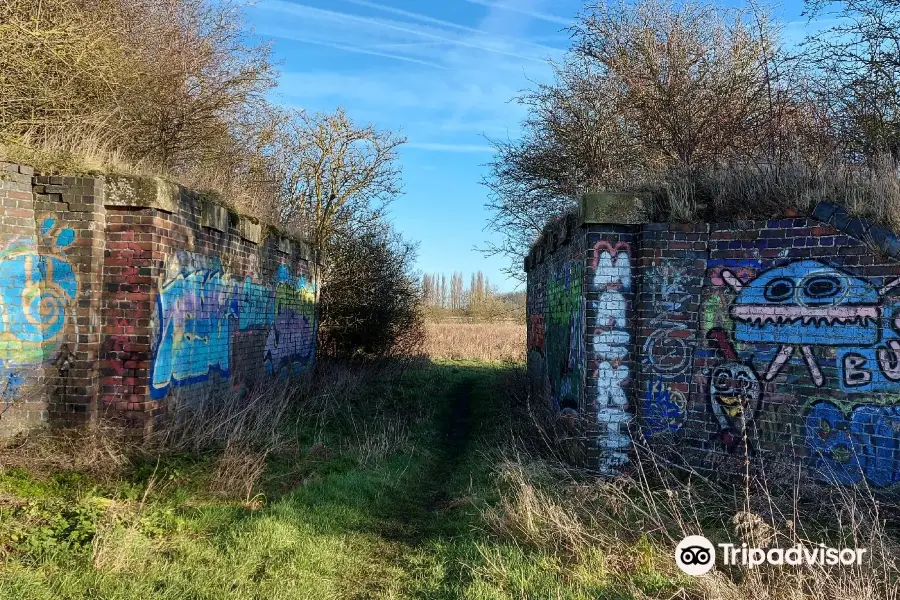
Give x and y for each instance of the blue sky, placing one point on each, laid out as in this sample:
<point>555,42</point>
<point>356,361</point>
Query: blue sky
<point>443,72</point>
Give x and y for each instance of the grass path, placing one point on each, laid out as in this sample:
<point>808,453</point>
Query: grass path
<point>401,526</point>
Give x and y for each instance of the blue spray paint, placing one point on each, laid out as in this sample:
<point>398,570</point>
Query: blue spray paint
<point>847,449</point>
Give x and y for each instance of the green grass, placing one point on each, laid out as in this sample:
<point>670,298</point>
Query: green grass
<point>406,525</point>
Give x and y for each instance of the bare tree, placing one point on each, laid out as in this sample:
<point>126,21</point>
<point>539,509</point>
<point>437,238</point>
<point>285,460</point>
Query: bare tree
<point>333,170</point>
<point>649,89</point>
<point>857,75</point>
<point>456,291</point>
<point>173,87</point>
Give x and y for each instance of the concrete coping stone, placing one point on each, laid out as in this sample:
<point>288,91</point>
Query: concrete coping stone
<point>142,192</point>
<point>161,194</point>
<point>213,216</point>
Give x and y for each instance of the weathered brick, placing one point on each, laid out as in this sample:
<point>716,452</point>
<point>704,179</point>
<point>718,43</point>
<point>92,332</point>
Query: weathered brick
<point>693,339</point>
<point>118,273</point>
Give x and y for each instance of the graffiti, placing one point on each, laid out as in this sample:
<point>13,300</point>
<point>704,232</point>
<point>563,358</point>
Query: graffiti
<point>808,304</point>
<point>37,289</point>
<point>563,339</point>
<point>195,330</point>
<point>734,391</point>
<point>875,368</point>
<point>663,409</point>
<point>849,448</point>
<point>666,349</point>
<point>612,276</point>
<point>719,295</point>
<point>9,388</point>
<point>199,309</point>
<point>291,340</point>
<point>536,333</point>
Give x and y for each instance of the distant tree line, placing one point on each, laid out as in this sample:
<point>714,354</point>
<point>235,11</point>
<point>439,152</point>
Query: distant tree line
<point>445,298</point>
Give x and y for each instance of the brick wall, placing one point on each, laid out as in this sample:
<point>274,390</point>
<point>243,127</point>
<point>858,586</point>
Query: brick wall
<point>556,321</point>
<point>610,344</point>
<point>776,338</point>
<point>125,298</point>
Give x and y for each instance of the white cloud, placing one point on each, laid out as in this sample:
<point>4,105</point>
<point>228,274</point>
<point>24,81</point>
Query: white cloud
<point>356,31</point>
<point>355,49</point>
<point>516,6</point>
<point>443,83</point>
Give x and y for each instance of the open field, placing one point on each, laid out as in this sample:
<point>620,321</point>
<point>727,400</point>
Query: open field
<point>486,342</point>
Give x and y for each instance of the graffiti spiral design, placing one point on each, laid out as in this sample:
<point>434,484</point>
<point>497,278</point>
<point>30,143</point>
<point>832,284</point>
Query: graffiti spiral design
<point>669,355</point>
<point>45,308</point>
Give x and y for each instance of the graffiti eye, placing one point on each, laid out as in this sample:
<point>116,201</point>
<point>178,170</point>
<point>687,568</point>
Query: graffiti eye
<point>779,290</point>
<point>721,379</point>
<point>822,289</point>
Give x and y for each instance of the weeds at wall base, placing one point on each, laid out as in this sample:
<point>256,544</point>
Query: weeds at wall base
<point>637,519</point>
<point>611,529</point>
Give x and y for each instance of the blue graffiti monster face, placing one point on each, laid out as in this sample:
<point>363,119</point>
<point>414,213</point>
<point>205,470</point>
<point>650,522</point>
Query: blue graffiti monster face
<point>807,303</point>
<point>834,451</point>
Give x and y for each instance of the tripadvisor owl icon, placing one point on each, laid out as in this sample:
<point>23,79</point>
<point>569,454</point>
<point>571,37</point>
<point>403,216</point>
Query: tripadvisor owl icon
<point>695,555</point>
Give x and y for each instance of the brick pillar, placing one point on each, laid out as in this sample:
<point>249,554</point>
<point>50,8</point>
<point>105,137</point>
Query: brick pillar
<point>70,228</point>
<point>23,403</point>
<point>612,224</point>
<point>609,341</point>
<point>135,235</point>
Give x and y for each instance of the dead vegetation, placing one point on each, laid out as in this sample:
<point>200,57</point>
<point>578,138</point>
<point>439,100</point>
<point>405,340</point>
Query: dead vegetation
<point>615,528</point>
<point>88,87</point>
<point>486,342</point>
<point>237,432</point>
<point>711,110</point>
<point>636,522</point>
<point>792,187</point>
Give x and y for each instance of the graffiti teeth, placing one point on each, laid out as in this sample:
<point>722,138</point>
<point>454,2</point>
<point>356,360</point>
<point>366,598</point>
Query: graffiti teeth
<point>762,315</point>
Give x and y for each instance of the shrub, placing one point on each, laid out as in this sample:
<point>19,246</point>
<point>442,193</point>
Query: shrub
<point>371,301</point>
<point>88,85</point>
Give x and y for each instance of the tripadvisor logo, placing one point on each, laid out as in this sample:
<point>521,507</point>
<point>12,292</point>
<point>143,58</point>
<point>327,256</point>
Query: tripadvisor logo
<point>696,555</point>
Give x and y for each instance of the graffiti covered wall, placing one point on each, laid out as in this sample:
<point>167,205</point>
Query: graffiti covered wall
<point>800,349</point>
<point>778,339</point>
<point>556,326</point>
<point>611,300</point>
<point>200,309</point>
<point>122,297</point>
<point>205,305</point>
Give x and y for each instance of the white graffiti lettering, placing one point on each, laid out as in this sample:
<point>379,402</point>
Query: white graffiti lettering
<point>611,337</point>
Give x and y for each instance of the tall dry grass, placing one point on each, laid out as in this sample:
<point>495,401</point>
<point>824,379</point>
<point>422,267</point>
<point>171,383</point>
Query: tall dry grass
<point>751,191</point>
<point>631,524</point>
<point>241,431</point>
<point>487,342</point>
<point>87,86</point>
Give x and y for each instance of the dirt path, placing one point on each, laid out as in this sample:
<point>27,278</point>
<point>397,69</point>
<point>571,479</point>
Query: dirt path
<point>456,434</point>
